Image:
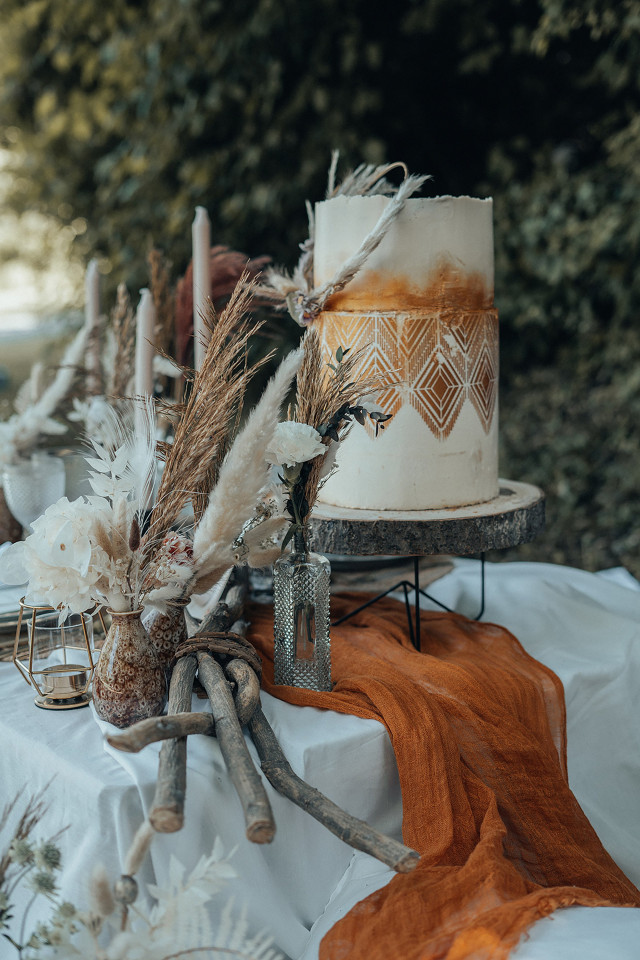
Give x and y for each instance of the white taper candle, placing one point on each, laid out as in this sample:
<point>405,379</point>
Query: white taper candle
<point>201,246</point>
<point>145,335</point>
<point>92,322</point>
<point>145,326</point>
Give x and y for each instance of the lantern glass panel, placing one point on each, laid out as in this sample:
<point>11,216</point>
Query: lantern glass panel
<point>60,655</point>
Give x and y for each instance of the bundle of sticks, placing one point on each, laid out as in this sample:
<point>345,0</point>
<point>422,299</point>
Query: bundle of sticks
<point>228,668</point>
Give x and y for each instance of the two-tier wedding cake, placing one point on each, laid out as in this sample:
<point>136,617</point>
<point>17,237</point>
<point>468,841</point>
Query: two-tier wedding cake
<point>424,301</point>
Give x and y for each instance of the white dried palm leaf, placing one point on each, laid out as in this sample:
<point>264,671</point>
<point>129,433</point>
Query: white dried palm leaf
<point>181,921</point>
<point>124,464</point>
<point>37,418</point>
<point>31,390</point>
<point>244,472</point>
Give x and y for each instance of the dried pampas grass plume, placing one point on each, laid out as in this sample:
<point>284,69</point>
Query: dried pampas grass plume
<point>243,474</point>
<point>101,902</point>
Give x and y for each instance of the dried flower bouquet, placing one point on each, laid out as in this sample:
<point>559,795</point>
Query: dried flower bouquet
<point>222,472</point>
<point>90,551</point>
<point>109,927</point>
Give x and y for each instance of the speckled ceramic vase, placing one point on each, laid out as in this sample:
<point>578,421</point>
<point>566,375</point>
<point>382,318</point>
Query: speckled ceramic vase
<point>129,682</point>
<point>167,630</point>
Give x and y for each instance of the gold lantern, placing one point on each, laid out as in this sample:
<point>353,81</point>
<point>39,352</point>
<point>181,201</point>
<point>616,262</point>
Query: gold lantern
<point>56,657</point>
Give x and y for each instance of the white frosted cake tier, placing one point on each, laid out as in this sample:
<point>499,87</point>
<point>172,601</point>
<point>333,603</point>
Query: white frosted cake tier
<point>424,304</point>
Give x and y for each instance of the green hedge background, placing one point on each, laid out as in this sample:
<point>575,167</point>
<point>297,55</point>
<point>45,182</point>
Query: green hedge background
<point>128,115</point>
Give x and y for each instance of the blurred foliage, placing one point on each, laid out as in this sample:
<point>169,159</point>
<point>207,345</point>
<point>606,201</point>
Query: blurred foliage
<point>125,116</point>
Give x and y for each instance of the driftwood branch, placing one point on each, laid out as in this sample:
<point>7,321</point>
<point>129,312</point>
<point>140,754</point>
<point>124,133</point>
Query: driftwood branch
<point>356,833</point>
<point>141,734</point>
<point>260,825</point>
<point>228,714</point>
<point>167,813</point>
<point>247,693</point>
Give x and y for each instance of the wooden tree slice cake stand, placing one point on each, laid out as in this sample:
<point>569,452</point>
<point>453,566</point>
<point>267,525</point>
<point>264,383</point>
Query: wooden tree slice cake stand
<point>515,516</point>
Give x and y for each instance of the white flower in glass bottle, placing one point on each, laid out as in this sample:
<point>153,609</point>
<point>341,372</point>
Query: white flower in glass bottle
<point>293,443</point>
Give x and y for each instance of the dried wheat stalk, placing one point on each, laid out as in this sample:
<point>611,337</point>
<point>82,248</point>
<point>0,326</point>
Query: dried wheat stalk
<point>163,300</point>
<point>123,326</point>
<point>208,418</point>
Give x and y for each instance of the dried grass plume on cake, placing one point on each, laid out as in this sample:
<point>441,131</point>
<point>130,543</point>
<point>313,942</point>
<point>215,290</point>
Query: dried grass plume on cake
<point>329,398</point>
<point>297,292</point>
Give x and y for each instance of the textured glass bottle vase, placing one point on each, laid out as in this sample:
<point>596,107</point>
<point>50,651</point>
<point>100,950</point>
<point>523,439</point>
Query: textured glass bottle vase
<point>301,592</point>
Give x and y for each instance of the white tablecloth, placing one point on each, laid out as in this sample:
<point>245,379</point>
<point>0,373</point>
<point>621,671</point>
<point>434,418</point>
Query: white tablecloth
<point>586,627</point>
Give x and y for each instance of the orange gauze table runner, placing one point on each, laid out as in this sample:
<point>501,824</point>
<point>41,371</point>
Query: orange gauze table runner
<point>478,731</point>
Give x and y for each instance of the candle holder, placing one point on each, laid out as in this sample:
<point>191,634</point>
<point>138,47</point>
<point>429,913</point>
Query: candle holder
<point>57,661</point>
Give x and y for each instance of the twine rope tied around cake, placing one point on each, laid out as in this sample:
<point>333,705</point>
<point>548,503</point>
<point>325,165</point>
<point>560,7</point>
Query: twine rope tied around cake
<point>296,293</point>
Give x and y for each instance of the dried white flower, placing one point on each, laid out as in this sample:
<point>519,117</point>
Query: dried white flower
<point>47,857</point>
<point>293,443</point>
<point>43,882</point>
<point>59,559</point>
<point>20,852</point>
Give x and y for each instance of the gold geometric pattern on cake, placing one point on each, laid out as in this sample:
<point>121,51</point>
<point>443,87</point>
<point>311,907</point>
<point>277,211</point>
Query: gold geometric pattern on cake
<point>438,394</point>
<point>438,362</point>
<point>483,386</point>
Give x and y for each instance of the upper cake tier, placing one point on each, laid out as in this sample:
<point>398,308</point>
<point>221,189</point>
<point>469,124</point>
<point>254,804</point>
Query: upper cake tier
<point>405,271</point>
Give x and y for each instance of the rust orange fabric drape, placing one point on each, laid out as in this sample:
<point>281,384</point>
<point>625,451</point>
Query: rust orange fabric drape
<point>478,730</point>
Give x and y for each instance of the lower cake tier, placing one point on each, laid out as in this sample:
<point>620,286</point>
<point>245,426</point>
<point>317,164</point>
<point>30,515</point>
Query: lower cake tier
<point>440,447</point>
